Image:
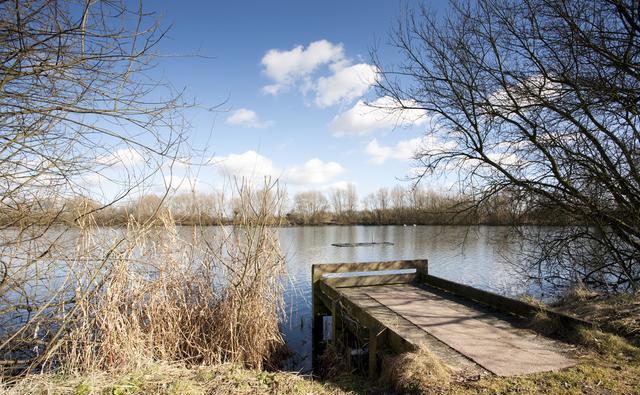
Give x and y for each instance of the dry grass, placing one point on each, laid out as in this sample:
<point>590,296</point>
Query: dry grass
<point>616,313</point>
<point>418,372</point>
<point>334,363</point>
<point>172,379</point>
<point>607,344</point>
<point>146,293</point>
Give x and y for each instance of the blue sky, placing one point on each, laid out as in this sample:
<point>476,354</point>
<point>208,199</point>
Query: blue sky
<point>293,77</point>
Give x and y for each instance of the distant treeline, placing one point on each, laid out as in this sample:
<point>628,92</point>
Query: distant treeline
<point>409,206</point>
<point>339,206</point>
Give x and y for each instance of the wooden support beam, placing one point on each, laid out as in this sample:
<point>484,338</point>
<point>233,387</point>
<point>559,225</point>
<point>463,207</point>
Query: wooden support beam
<point>318,270</point>
<point>377,334</point>
<point>336,322</point>
<point>319,310</point>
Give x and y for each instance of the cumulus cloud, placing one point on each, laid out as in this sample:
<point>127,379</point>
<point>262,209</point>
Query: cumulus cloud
<point>379,154</point>
<point>247,118</point>
<point>313,171</point>
<point>364,118</point>
<point>405,149</point>
<point>123,157</point>
<point>250,164</point>
<point>346,84</point>
<point>287,67</point>
<point>298,67</point>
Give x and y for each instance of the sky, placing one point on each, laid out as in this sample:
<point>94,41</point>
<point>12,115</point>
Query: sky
<point>290,80</point>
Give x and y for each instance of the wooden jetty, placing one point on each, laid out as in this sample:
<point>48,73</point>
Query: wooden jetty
<point>396,307</point>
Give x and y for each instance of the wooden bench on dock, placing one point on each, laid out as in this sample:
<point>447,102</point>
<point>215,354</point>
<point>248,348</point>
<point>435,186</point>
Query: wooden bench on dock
<point>397,306</point>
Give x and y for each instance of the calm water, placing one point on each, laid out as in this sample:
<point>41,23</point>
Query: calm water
<point>476,256</point>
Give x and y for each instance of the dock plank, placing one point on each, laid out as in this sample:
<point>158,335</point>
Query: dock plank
<point>413,335</point>
<point>491,342</point>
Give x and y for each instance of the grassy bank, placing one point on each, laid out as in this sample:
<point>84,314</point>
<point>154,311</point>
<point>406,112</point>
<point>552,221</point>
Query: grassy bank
<point>611,370</point>
<point>607,364</point>
<point>615,313</point>
<point>173,379</point>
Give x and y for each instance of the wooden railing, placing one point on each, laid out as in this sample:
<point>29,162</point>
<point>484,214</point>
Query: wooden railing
<point>368,273</point>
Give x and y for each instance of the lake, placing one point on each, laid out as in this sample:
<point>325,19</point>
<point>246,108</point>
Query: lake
<point>477,256</point>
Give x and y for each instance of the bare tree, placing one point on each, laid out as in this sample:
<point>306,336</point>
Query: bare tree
<point>75,99</point>
<point>338,200</point>
<point>382,199</point>
<point>538,99</point>
<point>351,199</point>
<point>398,197</point>
<point>311,205</point>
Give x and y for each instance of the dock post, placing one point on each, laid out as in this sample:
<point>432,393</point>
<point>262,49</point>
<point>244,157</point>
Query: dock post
<point>422,268</point>
<point>317,331</point>
<point>336,322</point>
<point>317,338</point>
<point>376,337</point>
<point>318,312</point>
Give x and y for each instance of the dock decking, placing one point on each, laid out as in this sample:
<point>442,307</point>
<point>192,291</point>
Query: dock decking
<point>395,307</point>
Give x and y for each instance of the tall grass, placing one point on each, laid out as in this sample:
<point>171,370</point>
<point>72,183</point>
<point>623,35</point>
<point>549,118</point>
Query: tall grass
<point>146,293</point>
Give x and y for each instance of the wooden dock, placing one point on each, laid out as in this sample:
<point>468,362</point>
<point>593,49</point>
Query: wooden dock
<point>396,307</point>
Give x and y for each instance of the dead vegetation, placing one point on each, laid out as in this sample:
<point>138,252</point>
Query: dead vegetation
<point>418,372</point>
<point>615,313</point>
<point>131,297</point>
<point>173,379</point>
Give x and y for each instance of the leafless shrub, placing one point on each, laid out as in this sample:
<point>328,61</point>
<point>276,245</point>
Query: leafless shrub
<point>132,296</point>
<point>76,101</point>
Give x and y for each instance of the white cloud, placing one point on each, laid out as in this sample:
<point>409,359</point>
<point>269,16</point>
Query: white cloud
<point>313,171</point>
<point>379,154</point>
<point>405,149</point>
<point>346,84</point>
<point>124,157</point>
<point>286,67</point>
<point>506,159</point>
<point>248,164</point>
<point>383,113</point>
<point>247,118</point>
<point>524,93</point>
<point>299,67</point>
<point>92,179</point>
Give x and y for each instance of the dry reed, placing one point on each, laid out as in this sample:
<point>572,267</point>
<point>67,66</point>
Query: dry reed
<point>154,292</point>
